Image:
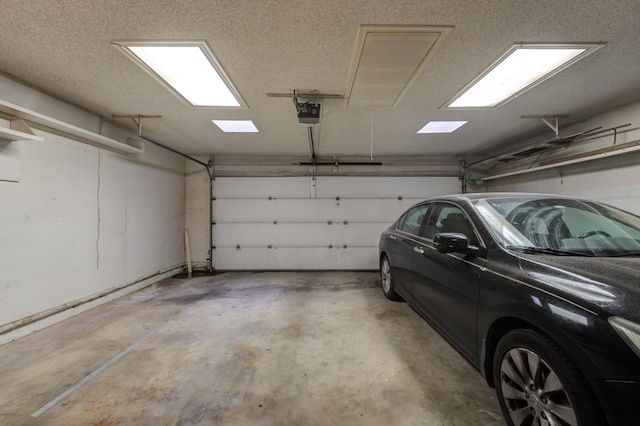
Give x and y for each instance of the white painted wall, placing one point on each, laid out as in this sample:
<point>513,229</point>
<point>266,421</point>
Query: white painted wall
<point>197,213</point>
<point>312,226</point>
<point>82,221</point>
<point>614,180</point>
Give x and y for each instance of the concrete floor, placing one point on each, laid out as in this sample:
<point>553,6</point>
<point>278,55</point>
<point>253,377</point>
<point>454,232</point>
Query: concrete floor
<point>244,349</point>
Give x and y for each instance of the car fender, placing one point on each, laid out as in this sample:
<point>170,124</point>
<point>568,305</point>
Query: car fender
<point>529,307</point>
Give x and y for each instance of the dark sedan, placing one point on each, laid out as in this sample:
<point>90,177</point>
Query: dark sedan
<point>540,293</point>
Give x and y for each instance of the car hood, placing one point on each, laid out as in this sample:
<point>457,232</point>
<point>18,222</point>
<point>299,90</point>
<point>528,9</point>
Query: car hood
<point>609,284</point>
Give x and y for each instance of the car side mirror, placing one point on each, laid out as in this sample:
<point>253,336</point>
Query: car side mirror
<point>453,242</point>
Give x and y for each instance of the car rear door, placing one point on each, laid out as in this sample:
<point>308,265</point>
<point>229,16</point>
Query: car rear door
<point>446,286</point>
<point>400,243</point>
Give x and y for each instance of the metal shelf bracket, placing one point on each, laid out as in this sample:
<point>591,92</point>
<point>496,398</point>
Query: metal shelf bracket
<point>550,120</point>
<point>136,118</point>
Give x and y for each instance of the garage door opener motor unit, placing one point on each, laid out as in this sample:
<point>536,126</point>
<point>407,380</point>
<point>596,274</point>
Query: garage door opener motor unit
<point>308,112</point>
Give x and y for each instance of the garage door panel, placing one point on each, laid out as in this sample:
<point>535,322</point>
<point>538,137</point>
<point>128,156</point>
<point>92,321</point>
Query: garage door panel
<point>299,234</point>
<point>275,187</point>
<point>417,188</point>
<point>302,223</point>
<point>308,210</point>
<point>333,186</point>
<point>297,259</point>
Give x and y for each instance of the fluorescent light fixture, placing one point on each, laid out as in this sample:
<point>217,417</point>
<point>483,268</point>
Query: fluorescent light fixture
<point>518,70</point>
<point>236,126</point>
<point>442,126</point>
<point>189,69</point>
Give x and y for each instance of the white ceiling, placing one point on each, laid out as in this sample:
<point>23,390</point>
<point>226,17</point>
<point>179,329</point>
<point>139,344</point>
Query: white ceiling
<point>63,47</point>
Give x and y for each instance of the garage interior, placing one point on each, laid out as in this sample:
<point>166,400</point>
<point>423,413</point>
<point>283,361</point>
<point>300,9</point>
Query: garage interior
<point>157,269</point>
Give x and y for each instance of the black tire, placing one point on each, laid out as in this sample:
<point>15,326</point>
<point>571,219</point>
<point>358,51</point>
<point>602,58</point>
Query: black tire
<point>556,389</point>
<point>387,282</point>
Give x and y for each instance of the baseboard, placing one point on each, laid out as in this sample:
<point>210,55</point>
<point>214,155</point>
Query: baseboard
<point>56,315</point>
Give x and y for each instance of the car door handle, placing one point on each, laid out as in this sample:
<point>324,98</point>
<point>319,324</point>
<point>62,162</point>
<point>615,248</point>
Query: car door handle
<point>393,237</point>
<point>418,250</point>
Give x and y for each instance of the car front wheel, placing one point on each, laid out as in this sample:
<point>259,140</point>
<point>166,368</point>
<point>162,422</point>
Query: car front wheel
<point>386,279</point>
<point>537,383</point>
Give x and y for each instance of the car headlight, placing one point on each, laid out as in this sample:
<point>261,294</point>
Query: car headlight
<point>629,331</point>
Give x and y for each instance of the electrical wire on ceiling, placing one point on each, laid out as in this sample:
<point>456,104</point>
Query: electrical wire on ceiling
<point>318,136</point>
<point>313,154</point>
<point>311,144</point>
<point>294,98</point>
<point>371,132</point>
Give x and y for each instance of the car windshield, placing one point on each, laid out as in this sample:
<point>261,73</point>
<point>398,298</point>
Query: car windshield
<point>560,226</point>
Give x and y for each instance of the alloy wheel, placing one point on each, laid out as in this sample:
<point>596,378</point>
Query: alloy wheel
<point>385,275</point>
<point>532,391</point>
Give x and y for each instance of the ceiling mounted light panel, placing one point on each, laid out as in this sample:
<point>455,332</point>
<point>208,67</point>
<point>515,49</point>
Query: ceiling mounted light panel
<point>236,126</point>
<point>521,68</point>
<point>189,69</point>
<point>442,126</point>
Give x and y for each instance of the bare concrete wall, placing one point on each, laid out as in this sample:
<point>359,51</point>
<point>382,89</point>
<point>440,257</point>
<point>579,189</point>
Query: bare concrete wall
<point>82,221</point>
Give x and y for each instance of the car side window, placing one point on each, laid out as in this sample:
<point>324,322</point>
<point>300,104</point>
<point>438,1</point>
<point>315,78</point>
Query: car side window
<point>449,218</point>
<point>413,219</point>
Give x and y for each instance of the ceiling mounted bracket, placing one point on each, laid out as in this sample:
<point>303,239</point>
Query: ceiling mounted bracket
<point>306,94</point>
<point>136,118</point>
<point>546,119</point>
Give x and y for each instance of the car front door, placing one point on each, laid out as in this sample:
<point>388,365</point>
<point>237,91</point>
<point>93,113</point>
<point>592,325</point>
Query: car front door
<point>446,286</point>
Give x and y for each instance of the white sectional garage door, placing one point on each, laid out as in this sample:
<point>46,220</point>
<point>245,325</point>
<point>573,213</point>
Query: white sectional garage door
<point>281,223</point>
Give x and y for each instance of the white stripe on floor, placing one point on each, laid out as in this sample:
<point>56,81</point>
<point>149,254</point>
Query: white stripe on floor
<point>92,374</point>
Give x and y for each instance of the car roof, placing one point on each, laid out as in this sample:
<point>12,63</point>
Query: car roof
<point>489,195</point>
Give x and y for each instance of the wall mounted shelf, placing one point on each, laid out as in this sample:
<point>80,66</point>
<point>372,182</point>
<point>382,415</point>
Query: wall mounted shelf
<point>575,159</point>
<point>65,129</point>
<point>14,135</point>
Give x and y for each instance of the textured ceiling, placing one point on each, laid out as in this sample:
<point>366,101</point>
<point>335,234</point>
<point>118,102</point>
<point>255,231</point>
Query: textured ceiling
<point>63,47</point>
